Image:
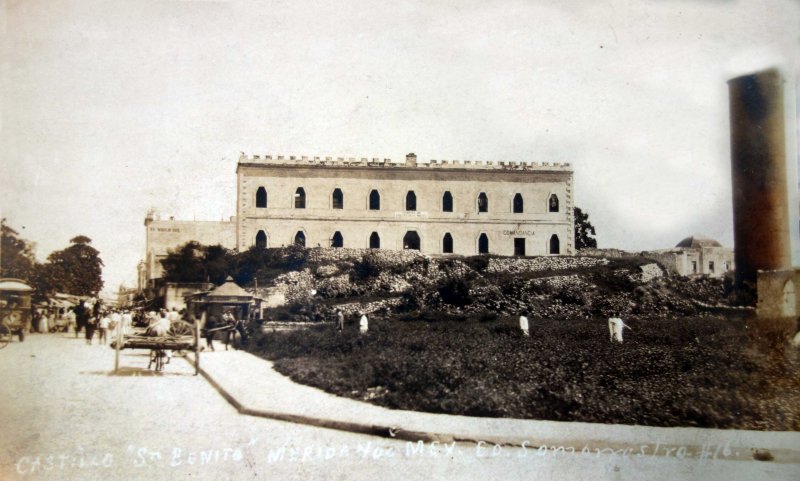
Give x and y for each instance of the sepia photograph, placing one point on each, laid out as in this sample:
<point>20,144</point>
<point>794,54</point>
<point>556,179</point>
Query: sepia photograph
<point>416,240</point>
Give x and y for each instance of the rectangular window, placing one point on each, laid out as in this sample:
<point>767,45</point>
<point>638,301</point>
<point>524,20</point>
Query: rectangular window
<point>694,267</point>
<point>711,266</point>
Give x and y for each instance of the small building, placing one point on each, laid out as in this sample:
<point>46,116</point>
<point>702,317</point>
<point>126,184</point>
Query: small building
<point>172,295</point>
<point>696,256</point>
<point>228,297</point>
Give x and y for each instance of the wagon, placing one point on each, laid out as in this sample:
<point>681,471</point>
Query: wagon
<point>182,336</point>
<point>15,309</point>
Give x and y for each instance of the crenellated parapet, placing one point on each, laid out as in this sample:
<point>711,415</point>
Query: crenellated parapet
<point>409,162</point>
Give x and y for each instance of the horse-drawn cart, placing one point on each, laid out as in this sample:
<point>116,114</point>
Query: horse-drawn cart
<point>181,336</point>
<point>15,309</point>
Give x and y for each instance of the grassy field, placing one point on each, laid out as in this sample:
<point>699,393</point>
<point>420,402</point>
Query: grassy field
<point>708,372</point>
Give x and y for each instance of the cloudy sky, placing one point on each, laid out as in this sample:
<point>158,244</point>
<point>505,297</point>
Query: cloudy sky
<point>110,107</point>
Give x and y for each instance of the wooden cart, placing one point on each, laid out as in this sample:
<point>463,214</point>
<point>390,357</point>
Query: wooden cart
<point>182,336</point>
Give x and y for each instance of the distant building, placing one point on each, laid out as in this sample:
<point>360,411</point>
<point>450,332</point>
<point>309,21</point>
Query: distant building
<point>161,236</point>
<point>435,207</point>
<point>126,295</point>
<point>695,256</point>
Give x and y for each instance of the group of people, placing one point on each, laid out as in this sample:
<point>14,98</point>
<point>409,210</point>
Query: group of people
<point>158,323</point>
<point>94,318</point>
<point>363,322</point>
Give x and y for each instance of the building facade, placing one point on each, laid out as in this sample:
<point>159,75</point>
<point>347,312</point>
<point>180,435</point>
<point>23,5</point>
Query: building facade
<point>161,236</point>
<point>436,207</point>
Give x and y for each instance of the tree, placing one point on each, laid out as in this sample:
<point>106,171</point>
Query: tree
<point>16,254</point>
<point>185,264</point>
<point>194,262</point>
<point>75,270</point>
<point>584,231</point>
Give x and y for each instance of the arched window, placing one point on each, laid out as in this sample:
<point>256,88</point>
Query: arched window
<point>300,198</point>
<point>552,204</point>
<point>337,240</point>
<point>374,200</point>
<point>483,244</point>
<point>261,198</point>
<point>555,245</point>
<point>374,241</point>
<point>411,200</point>
<point>300,239</point>
<point>447,244</point>
<point>447,202</point>
<point>261,239</point>
<point>411,240</point>
<point>483,203</point>
<point>338,199</point>
<point>518,207</point>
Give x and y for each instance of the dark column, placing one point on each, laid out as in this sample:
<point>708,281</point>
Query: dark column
<point>758,165</point>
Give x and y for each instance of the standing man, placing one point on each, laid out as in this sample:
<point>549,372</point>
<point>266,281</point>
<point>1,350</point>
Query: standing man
<point>71,321</point>
<point>116,322</point>
<point>363,324</point>
<point>523,324</point>
<point>209,326</point>
<point>102,328</point>
<point>339,320</point>
<point>127,323</point>
<point>81,316</point>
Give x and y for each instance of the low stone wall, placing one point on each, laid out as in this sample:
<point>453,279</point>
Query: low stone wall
<point>325,255</point>
<point>537,264</point>
<point>560,282</point>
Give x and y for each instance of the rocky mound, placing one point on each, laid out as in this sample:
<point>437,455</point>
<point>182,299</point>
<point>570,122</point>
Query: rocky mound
<point>546,287</point>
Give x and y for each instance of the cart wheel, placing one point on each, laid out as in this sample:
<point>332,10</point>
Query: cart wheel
<point>5,335</point>
<point>180,328</point>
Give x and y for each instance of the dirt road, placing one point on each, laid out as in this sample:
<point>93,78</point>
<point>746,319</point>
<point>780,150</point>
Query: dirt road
<point>65,416</point>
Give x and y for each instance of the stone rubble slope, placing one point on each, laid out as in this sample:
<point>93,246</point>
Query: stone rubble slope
<point>363,280</point>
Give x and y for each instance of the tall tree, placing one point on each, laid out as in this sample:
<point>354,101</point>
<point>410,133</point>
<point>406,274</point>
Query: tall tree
<point>77,269</point>
<point>16,254</point>
<point>584,230</point>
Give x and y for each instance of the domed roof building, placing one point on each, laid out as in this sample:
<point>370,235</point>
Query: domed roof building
<point>696,242</point>
<point>697,255</point>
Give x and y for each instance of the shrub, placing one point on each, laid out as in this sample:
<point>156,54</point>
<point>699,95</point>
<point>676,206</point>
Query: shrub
<point>680,372</point>
<point>368,267</point>
<point>455,292</point>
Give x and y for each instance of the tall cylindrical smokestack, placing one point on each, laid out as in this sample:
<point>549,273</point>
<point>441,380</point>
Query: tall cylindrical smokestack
<point>758,165</point>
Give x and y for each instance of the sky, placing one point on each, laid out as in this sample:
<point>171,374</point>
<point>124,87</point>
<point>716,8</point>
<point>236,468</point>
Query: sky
<point>111,107</point>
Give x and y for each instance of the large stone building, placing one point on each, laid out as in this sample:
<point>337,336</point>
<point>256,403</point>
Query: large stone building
<point>437,207</point>
<point>163,235</point>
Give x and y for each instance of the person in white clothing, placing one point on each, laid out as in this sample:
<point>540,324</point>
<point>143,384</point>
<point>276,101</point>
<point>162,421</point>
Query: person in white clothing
<point>44,322</point>
<point>127,323</point>
<point>102,328</point>
<point>615,327</point>
<point>116,323</point>
<point>523,324</point>
<point>363,324</point>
